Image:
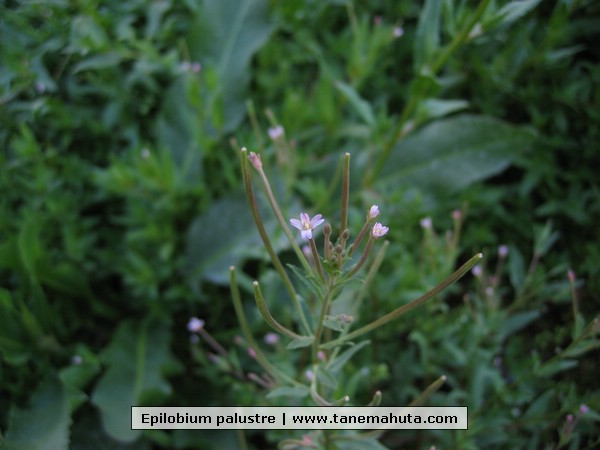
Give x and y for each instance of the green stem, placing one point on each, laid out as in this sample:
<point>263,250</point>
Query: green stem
<point>408,307</point>
<point>264,311</point>
<point>260,357</point>
<point>267,242</point>
<point>427,392</point>
<point>345,192</point>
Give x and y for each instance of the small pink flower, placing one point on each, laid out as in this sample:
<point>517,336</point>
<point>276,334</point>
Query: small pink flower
<point>426,223</point>
<point>373,212</point>
<point>571,275</point>
<point>255,160</point>
<point>251,352</point>
<point>398,32</point>
<point>275,132</point>
<point>477,271</point>
<point>195,325</point>
<point>457,214</point>
<point>584,409</point>
<point>271,338</point>
<point>379,230</point>
<point>321,355</point>
<point>503,251</point>
<point>306,225</point>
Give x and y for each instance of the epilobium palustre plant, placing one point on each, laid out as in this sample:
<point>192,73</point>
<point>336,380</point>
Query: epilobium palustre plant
<point>328,269</point>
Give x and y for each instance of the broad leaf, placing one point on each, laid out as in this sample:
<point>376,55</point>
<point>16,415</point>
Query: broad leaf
<point>137,358</point>
<point>44,424</point>
<point>452,153</point>
<point>225,37</point>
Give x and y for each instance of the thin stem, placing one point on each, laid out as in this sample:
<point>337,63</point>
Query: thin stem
<point>267,242</point>
<point>345,192</point>
<point>286,229</point>
<point>409,306</point>
<point>260,357</point>
<point>428,391</point>
<point>317,260</point>
<point>362,259</point>
<point>264,311</point>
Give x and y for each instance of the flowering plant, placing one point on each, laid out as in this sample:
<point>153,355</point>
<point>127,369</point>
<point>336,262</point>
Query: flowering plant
<point>327,275</point>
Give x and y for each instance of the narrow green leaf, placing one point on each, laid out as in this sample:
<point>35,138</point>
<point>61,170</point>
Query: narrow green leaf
<point>304,341</point>
<point>338,363</point>
<point>427,38</point>
<point>360,105</point>
<point>289,391</point>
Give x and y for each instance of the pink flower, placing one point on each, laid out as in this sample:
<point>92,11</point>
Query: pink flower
<point>255,160</point>
<point>195,325</point>
<point>275,132</point>
<point>373,212</point>
<point>379,230</point>
<point>306,225</point>
<point>426,223</point>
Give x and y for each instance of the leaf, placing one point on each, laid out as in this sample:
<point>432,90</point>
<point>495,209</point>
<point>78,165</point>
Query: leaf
<point>435,108</point>
<point>137,358</point>
<point>547,370</point>
<point>223,236</point>
<point>338,363</point>
<point>427,37</point>
<point>44,424</point>
<point>304,341</point>
<point>289,391</point>
<point>517,322</point>
<point>450,154</point>
<point>177,130</point>
<point>361,106</point>
<point>513,11</point>
<point>226,35</point>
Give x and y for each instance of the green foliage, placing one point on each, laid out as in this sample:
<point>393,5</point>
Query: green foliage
<point>121,211</point>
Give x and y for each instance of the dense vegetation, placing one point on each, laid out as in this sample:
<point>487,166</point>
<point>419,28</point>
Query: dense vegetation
<point>122,208</point>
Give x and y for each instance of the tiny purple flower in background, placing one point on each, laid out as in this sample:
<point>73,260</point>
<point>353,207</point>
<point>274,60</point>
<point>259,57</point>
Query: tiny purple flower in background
<point>271,338</point>
<point>426,223</point>
<point>584,409</point>
<point>145,153</point>
<point>251,352</point>
<point>306,224</point>
<point>255,160</point>
<point>195,67</point>
<point>379,230</point>
<point>76,360</point>
<point>275,132</point>
<point>373,212</point>
<point>377,20</point>
<point>571,275</point>
<point>503,251</point>
<point>40,87</point>
<point>309,375</point>
<point>457,214</point>
<point>477,271</point>
<point>569,418</point>
<point>398,32</point>
<point>195,325</point>
<point>321,355</point>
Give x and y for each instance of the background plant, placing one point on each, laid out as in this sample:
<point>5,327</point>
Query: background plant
<point>116,120</point>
